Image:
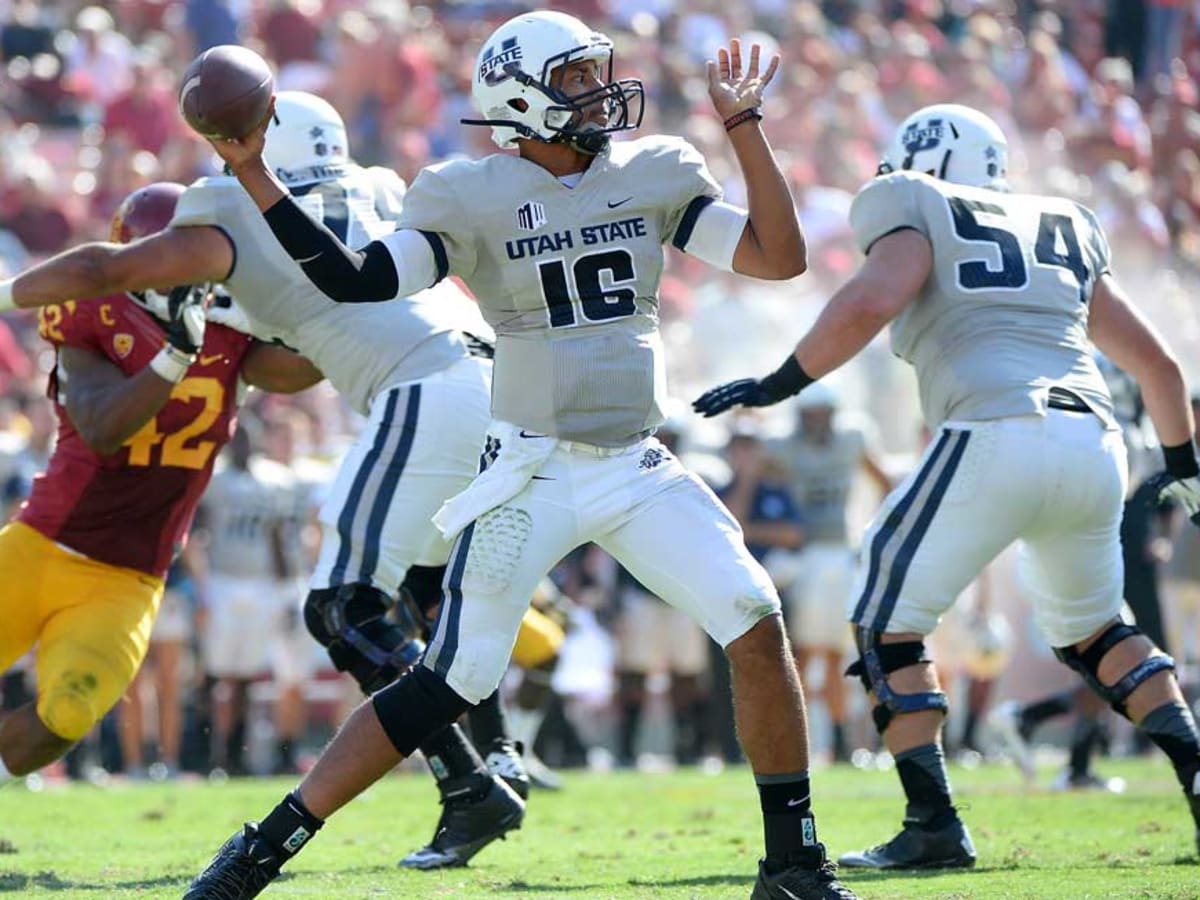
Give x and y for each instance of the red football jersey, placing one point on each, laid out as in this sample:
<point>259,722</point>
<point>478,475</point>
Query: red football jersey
<point>133,508</point>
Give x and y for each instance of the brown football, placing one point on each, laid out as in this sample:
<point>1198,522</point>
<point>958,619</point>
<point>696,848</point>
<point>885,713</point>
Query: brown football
<point>226,91</point>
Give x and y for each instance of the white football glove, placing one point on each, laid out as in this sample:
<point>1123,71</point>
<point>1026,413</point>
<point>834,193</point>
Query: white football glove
<point>228,312</point>
<point>1184,491</point>
<point>185,322</point>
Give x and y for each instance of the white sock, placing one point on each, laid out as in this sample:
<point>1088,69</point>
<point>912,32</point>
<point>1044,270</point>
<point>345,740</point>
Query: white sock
<point>524,725</point>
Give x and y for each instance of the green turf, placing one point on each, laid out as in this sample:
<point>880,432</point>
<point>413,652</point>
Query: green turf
<point>684,836</point>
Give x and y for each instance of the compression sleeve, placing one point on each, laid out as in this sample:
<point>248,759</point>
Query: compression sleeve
<point>342,274</point>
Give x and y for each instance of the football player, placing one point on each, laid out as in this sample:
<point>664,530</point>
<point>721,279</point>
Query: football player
<point>145,395</point>
<point>996,299</point>
<point>421,380</point>
<point>823,456</point>
<point>561,242</point>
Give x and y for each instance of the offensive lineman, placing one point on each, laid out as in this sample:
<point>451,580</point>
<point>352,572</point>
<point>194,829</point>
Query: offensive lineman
<point>408,366</point>
<point>145,396</point>
<point>996,299</point>
<point>562,245</point>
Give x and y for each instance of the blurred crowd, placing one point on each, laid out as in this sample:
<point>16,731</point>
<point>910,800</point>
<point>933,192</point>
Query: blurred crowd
<point>1099,98</point>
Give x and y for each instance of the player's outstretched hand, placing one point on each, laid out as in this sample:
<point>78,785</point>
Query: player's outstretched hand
<point>185,327</point>
<point>733,89</point>
<point>245,152</point>
<point>743,392</point>
<point>1184,491</point>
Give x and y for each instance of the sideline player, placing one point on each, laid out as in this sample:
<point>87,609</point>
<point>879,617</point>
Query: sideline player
<point>145,396</point>
<point>407,366</point>
<point>996,299</point>
<point>562,245</point>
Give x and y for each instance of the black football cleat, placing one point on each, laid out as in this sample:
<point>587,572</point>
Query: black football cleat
<point>467,826</point>
<point>798,883</point>
<point>243,866</point>
<point>504,759</point>
<point>949,847</point>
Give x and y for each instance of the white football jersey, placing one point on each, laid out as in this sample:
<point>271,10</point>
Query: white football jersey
<point>1004,314</point>
<point>820,477</point>
<point>253,520</point>
<point>360,347</point>
<point>568,277</point>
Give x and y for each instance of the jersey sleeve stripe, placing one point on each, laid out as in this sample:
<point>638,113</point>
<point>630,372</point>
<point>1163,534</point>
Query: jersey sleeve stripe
<point>441,260</point>
<point>683,233</point>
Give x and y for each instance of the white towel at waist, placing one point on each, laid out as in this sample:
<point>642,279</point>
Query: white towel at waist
<point>518,461</point>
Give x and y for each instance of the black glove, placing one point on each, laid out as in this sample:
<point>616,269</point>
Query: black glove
<point>786,381</point>
<point>185,323</point>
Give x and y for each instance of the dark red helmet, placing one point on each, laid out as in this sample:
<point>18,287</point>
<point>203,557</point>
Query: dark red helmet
<point>146,211</point>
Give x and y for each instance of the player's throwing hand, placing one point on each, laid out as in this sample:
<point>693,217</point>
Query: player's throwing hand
<point>733,90</point>
<point>245,152</point>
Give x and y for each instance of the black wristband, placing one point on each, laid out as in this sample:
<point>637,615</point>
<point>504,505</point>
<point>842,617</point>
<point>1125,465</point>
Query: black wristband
<point>744,116</point>
<point>786,381</point>
<point>1181,460</point>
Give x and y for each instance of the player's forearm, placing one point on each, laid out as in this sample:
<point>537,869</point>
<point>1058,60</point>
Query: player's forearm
<point>337,271</point>
<point>774,227</point>
<point>845,326</point>
<point>76,274</point>
<point>107,415</point>
<point>1165,392</point>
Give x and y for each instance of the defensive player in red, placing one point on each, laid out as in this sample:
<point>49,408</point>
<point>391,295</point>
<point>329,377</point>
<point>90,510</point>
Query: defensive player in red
<point>146,395</point>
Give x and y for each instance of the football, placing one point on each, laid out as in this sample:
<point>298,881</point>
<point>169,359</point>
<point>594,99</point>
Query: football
<point>226,91</point>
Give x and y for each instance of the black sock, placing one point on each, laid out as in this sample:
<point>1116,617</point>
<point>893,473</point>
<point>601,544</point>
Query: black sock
<point>289,826</point>
<point>455,764</point>
<point>631,715</point>
<point>1035,714</point>
<point>922,772</point>
<point>1173,729</point>
<point>1083,741</point>
<point>487,722</point>
<point>789,830</point>
<point>968,735</point>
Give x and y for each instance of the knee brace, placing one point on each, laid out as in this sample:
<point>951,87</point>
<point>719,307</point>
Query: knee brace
<point>356,625</point>
<point>1087,664</point>
<point>876,661</point>
<point>413,707</point>
<point>423,584</point>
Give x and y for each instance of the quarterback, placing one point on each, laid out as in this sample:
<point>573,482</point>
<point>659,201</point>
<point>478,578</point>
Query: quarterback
<point>562,244</point>
<point>996,299</point>
<point>146,395</point>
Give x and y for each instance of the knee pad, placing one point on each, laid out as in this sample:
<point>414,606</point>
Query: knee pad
<point>878,660</point>
<point>1087,664</point>
<point>413,707</point>
<point>355,624</point>
<point>424,585</point>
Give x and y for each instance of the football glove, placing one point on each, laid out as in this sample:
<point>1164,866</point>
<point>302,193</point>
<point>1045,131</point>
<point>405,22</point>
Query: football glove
<point>1184,491</point>
<point>786,381</point>
<point>185,322</point>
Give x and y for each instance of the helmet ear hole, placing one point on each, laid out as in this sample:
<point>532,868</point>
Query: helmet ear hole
<point>518,104</point>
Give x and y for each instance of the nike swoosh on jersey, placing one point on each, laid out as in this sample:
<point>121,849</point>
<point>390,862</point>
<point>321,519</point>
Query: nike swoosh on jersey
<point>612,205</point>
<point>209,360</point>
<point>309,259</point>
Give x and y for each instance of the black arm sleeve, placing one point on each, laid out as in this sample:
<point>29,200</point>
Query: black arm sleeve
<point>342,274</point>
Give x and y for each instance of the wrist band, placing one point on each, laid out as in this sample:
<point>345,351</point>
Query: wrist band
<point>6,295</point>
<point>171,364</point>
<point>787,380</point>
<point>744,116</point>
<point>1181,460</point>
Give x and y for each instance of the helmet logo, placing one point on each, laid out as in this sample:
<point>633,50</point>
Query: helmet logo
<point>493,65</point>
<point>918,137</point>
<point>317,133</point>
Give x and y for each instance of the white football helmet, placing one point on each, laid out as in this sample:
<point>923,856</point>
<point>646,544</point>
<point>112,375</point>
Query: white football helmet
<point>305,133</point>
<point>952,142</point>
<point>512,84</point>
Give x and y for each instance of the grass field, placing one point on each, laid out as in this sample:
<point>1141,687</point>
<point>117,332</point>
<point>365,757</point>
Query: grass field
<point>627,836</point>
